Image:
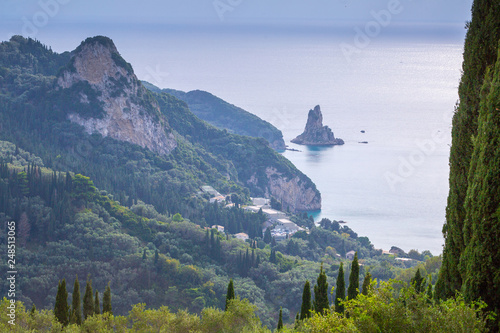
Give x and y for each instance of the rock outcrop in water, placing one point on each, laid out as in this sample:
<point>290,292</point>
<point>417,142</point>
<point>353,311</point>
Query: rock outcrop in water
<point>315,134</point>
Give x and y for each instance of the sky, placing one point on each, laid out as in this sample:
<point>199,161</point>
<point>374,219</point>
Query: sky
<point>15,13</point>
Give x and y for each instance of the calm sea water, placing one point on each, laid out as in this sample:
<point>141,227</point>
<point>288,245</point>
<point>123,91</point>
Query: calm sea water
<point>400,89</point>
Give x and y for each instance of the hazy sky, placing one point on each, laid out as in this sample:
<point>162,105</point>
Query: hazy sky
<point>14,13</point>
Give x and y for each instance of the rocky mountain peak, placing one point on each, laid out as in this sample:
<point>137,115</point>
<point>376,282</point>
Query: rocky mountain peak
<point>315,134</point>
<point>97,74</point>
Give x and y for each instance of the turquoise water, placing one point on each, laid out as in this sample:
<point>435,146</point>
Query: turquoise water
<point>401,89</point>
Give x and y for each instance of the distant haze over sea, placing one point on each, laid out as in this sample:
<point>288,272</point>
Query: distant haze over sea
<point>400,86</point>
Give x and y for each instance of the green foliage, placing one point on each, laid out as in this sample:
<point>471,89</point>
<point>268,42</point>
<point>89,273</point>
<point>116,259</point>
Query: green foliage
<point>223,115</point>
<point>106,301</point>
<point>230,294</point>
<point>76,308</point>
<point>340,291</point>
<point>353,289</point>
<point>97,305</point>
<point>306,307</point>
<point>366,288</point>
<point>388,309</point>
<point>61,308</point>
<point>418,282</point>
<point>280,320</point>
<point>480,52</point>
<point>88,300</point>
<point>177,218</point>
<point>321,303</point>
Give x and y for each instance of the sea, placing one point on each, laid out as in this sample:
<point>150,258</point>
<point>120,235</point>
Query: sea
<point>390,95</point>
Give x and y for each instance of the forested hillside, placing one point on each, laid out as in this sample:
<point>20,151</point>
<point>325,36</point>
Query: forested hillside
<point>224,115</point>
<point>68,227</point>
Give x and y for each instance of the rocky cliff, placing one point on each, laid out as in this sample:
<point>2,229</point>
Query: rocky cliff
<point>293,193</point>
<point>315,134</point>
<point>128,112</point>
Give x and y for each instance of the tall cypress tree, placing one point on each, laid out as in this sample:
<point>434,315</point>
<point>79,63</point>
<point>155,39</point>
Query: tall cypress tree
<point>97,306</point>
<point>480,52</point>
<point>61,308</point>
<point>280,320</point>
<point>418,282</point>
<point>106,301</point>
<point>305,309</point>
<point>366,284</point>
<point>88,300</point>
<point>352,290</point>
<point>230,293</point>
<point>340,290</point>
<point>321,303</point>
<point>76,310</point>
<point>480,263</point>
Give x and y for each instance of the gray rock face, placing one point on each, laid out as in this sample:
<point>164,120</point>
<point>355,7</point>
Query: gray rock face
<point>129,115</point>
<point>292,192</point>
<point>315,134</point>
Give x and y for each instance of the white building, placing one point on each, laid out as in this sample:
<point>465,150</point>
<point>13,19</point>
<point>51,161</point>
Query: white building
<point>260,202</point>
<point>253,209</point>
<point>241,236</point>
<point>274,214</point>
<point>218,227</point>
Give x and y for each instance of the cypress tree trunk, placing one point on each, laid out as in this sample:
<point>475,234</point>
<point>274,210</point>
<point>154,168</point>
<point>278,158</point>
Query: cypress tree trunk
<point>340,290</point>
<point>76,311</point>
<point>305,309</point>
<point>61,308</point>
<point>106,301</point>
<point>88,300</point>
<point>352,291</point>
<point>321,303</point>
<point>230,293</point>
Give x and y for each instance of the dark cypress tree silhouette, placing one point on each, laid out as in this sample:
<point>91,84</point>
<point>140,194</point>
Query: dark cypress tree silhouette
<point>305,309</point>
<point>76,309</point>
<point>88,300</point>
<point>272,257</point>
<point>230,293</point>
<point>106,301</point>
<point>352,290</point>
<point>144,255</point>
<point>61,308</point>
<point>340,290</point>
<point>366,284</point>
<point>267,236</point>
<point>418,282</point>
<point>321,303</point>
<point>97,305</point>
<point>280,320</point>
<point>156,256</point>
<point>430,294</point>
<point>33,310</point>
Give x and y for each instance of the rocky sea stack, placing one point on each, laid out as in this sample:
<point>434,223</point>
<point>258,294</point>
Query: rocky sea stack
<point>315,133</point>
